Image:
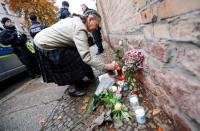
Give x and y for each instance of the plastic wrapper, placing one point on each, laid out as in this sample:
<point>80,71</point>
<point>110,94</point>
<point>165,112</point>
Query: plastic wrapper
<point>105,81</point>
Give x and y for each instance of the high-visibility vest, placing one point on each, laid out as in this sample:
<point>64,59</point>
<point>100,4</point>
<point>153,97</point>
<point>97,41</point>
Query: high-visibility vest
<point>30,46</point>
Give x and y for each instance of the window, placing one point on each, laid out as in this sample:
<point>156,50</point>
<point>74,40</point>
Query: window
<point>4,7</point>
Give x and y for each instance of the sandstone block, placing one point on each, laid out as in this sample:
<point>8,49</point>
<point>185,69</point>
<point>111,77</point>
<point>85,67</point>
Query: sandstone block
<point>186,30</point>
<point>170,8</point>
<point>161,31</point>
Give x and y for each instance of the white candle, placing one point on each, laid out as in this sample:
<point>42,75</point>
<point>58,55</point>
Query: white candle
<point>140,115</point>
<point>134,101</point>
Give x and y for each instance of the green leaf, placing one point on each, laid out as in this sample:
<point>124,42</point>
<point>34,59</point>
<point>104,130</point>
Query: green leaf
<point>93,103</point>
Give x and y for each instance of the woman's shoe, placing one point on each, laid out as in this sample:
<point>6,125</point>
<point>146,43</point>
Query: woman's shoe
<point>77,93</point>
<point>99,52</point>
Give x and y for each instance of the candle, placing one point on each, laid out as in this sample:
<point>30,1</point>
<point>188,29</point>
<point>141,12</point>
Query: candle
<point>134,101</point>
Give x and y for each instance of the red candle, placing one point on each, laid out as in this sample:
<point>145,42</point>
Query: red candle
<point>122,77</point>
<point>119,71</point>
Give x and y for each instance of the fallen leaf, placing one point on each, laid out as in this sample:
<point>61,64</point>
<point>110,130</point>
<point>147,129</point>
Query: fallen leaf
<point>84,107</point>
<point>160,129</point>
<point>112,129</point>
<point>101,109</point>
<point>60,117</point>
<point>156,111</point>
<point>85,103</point>
<point>86,99</point>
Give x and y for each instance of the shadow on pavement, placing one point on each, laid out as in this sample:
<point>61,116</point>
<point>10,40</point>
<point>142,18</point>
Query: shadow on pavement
<point>9,85</point>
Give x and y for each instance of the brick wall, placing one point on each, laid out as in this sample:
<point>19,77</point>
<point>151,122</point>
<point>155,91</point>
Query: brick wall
<point>168,31</point>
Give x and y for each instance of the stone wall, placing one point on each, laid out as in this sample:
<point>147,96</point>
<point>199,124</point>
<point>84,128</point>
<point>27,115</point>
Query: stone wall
<point>168,31</point>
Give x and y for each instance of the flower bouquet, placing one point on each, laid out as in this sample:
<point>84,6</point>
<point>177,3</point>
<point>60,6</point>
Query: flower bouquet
<point>109,91</point>
<point>133,61</point>
<point>110,97</point>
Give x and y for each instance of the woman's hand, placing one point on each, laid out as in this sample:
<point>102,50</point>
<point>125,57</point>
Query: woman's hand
<point>109,67</point>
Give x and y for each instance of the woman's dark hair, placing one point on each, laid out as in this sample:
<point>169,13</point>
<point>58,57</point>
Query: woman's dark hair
<point>82,17</point>
<point>92,14</point>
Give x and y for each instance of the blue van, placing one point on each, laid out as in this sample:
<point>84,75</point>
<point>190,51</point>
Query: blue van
<point>10,65</point>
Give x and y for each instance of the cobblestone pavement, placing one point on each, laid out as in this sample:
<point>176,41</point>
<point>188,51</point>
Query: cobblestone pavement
<point>70,113</point>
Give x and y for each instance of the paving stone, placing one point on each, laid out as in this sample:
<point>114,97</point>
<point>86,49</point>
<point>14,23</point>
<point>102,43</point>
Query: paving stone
<point>129,128</point>
<point>60,126</point>
<point>135,124</point>
<point>141,126</point>
<point>70,123</point>
<point>151,125</point>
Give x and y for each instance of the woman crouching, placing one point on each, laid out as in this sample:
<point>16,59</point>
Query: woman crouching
<point>64,51</point>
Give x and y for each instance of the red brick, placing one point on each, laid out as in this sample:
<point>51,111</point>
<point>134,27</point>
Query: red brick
<point>170,8</point>
<point>188,58</point>
<point>150,86</point>
<point>189,103</point>
<point>182,125</point>
<point>165,102</point>
<point>185,30</point>
<point>159,51</point>
<point>148,14</point>
<point>156,50</point>
<point>181,90</point>
<point>173,81</point>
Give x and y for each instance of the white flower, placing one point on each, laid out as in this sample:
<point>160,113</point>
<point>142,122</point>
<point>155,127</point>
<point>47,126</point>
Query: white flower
<point>121,83</point>
<point>119,89</point>
<point>118,106</point>
<point>124,68</point>
<point>114,88</point>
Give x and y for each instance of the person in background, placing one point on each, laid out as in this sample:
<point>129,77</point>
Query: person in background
<point>64,51</point>
<point>64,11</point>
<point>96,34</point>
<point>1,29</point>
<point>9,36</point>
<point>36,26</point>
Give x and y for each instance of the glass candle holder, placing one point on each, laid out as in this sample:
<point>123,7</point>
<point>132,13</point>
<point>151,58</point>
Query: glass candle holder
<point>140,115</point>
<point>133,99</point>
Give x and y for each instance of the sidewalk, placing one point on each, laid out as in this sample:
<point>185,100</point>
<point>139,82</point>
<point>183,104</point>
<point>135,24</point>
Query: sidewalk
<point>70,113</point>
<point>26,108</point>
